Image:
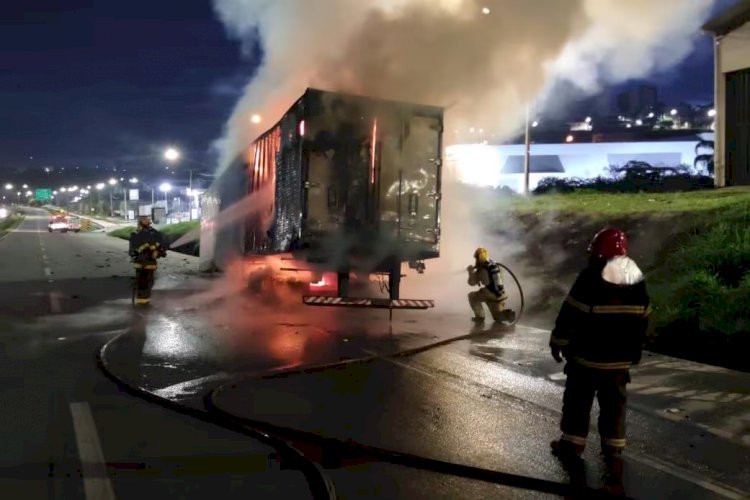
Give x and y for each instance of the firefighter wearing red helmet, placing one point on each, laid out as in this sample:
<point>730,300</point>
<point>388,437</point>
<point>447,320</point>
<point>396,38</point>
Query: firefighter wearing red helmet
<point>600,331</point>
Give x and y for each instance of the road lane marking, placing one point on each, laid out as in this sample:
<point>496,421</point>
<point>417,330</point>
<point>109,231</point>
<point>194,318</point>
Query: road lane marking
<point>96,483</point>
<point>721,489</point>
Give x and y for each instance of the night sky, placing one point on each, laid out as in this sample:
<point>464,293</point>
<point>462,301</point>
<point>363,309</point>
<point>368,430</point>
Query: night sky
<point>111,83</point>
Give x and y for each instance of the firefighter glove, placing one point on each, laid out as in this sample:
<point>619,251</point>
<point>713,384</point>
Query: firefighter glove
<point>555,350</point>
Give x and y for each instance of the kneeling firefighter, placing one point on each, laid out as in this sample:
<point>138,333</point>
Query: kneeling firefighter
<point>489,274</point>
<point>146,246</point>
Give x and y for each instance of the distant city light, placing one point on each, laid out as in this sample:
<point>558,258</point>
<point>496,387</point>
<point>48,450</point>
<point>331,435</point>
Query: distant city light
<point>535,124</point>
<point>165,187</point>
<point>486,10</point>
<point>63,190</point>
<point>628,126</point>
<point>588,119</point>
<point>9,186</point>
<point>639,123</point>
<point>570,138</point>
<point>100,186</point>
<point>134,180</point>
<point>26,186</point>
<point>673,112</point>
<point>651,114</point>
<point>28,193</point>
<point>255,119</point>
<point>112,182</point>
<point>171,154</point>
<point>711,113</point>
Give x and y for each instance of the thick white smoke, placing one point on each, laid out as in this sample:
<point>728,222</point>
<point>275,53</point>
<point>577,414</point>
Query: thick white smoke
<point>484,60</point>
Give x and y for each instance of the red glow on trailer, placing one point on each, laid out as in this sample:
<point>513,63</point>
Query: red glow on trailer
<point>326,283</point>
<point>372,153</point>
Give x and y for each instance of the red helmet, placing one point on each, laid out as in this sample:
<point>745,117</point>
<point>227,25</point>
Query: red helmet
<point>609,243</point>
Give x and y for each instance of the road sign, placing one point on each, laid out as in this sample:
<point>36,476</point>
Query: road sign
<point>43,194</point>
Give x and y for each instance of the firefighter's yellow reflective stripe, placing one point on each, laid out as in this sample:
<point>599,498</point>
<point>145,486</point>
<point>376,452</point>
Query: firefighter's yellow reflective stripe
<point>149,266</point>
<point>614,443</point>
<point>577,304</point>
<point>639,310</point>
<point>142,301</point>
<point>137,266</point>
<point>617,365</point>
<point>579,440</point>
<point>559,341</point>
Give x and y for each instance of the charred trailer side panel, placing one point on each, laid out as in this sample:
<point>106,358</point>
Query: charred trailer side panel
<point>222,236</point>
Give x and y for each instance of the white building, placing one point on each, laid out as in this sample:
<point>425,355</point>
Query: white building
<point>731,30</point>
<point>494,166</point>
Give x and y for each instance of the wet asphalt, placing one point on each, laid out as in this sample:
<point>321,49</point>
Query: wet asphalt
<point>490,402</point>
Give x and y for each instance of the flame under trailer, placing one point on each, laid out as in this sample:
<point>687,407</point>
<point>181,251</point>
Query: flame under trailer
<point>348,184</point>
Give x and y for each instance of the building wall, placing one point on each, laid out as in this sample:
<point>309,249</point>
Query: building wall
<point>732,53</point>
<point>483,165</point>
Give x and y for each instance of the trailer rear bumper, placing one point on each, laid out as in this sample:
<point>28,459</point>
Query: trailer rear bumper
<point>377,303</point>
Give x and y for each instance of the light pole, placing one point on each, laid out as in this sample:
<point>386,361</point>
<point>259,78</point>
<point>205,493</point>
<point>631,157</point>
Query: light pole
<point>165,188</point>
<point>172,155</point>
<point>112,182</point>
<point>527,156</point>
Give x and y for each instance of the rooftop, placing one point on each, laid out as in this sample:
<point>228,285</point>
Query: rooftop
<point>730,19</point>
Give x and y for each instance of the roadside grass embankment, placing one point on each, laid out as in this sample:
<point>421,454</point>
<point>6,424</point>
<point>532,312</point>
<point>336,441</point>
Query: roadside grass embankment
<point>170,232</point>
<point>695,250</point>
<point>9,223</point>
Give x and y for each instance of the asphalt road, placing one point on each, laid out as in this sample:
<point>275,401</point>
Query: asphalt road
<point>67,431</point>
<point>490,402</point>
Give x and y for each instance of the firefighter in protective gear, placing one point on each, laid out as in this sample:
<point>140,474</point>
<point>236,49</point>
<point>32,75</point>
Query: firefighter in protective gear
<point>600,331</point>
<point>489,274</point>
<point>146,246</point>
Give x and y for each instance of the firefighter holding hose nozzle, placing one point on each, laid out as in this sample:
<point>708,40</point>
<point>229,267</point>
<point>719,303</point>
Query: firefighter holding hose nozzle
<point>489,274</point>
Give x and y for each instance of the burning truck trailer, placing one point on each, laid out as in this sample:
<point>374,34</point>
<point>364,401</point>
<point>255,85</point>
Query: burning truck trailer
<point>344,185</point>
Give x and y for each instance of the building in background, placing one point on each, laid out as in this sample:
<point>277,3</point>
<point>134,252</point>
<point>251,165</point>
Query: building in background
<point>638,101</point>
<point>731,29</point>
<point>503,165</point>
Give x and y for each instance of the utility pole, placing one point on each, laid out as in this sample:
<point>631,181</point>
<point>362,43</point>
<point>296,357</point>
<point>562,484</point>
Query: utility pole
<point>190,197</point>
<point>527,156</point>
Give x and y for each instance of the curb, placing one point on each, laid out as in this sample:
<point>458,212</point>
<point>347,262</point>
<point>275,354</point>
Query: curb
<point>321,487</point>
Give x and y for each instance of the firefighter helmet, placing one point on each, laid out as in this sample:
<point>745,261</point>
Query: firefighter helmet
<point>481,255</point>
<point>144,221</point>
<point>609,243</point>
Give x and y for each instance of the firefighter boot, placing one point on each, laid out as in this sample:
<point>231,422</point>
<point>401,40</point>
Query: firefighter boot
<point>569,456</point>
<point>613,474</point>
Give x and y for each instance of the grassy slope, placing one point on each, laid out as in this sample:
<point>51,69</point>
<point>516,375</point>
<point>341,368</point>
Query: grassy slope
<point>10,223</point>
<point>702,285</point>
<point>603,204</point>
<point>171,233</point>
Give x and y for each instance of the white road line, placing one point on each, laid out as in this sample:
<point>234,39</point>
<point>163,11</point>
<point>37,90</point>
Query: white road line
<point>96,483</point>
<point>720,489</point>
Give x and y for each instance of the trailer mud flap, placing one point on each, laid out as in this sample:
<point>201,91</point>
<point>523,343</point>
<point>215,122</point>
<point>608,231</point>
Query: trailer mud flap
<point>320,300</point>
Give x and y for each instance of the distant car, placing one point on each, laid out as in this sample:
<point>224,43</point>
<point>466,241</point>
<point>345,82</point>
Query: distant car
<point>64,224</point>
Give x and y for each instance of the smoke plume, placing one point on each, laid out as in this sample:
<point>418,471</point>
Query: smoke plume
<point>483,60</point>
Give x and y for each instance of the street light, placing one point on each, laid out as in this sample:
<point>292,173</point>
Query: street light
<point>9,187</point>
<point>26,186</point>
<point>134,180</point>
<point>171,154</point>
<point>112,182</point>
<point>673,112</point>
<point>100,186</point>
<point>711,113</point>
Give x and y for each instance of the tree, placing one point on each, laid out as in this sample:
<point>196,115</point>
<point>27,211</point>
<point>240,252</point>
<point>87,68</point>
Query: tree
<point>705,159</point>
